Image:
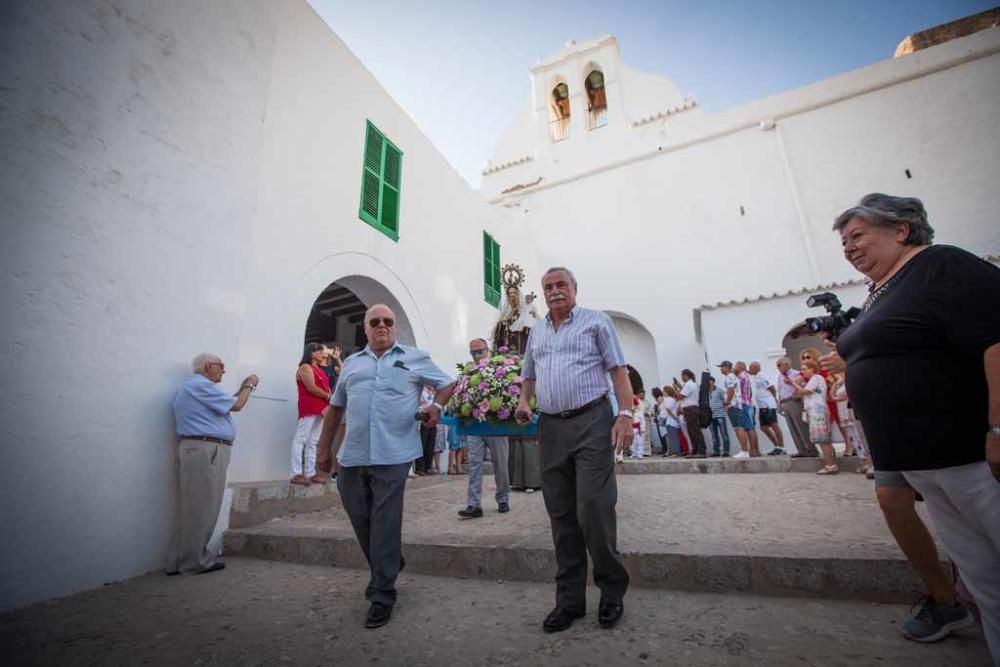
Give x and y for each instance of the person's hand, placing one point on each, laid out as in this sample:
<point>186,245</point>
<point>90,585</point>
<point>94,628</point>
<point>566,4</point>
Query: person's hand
<point>251,380</point>
<point>621,432</point>
<point>430,416</point>
<point>993,453</point>
<point>832,363</point>
<point>523,413</point>
<point>336,352</point>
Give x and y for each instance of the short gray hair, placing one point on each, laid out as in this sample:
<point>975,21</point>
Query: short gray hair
<point>783,360</point>
<point>201,361</point>
<point>886,211</point>
<point>564,270</point>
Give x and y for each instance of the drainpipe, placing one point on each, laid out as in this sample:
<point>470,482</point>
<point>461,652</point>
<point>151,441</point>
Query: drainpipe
<point>796,199</point>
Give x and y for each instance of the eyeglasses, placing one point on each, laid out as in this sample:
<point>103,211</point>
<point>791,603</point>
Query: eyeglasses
<point>478,353</point>
<point>376,321</point>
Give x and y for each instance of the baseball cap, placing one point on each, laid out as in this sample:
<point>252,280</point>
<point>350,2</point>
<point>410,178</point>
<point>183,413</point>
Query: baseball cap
<point>726,363</point>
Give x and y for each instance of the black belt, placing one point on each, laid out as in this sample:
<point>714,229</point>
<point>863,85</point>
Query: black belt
<point>206,438</point>
<point>577,411</point>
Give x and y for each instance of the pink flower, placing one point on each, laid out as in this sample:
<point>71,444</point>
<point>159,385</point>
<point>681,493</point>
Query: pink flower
<point>514,390</point>
<point>483,386</point>
<point>500,372</point>
<point>509,361</point>
<point>482,363</point>
<point>475,413</point>
<point>484,406</point>
<point>503,349</point>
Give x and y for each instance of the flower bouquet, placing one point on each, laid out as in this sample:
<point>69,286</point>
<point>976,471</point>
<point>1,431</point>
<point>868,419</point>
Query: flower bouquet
<point>486,396</point>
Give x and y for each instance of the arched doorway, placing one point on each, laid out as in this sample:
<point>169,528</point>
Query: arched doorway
<point>337,315</point>
<point>635,379</point>
<point>639,348</point>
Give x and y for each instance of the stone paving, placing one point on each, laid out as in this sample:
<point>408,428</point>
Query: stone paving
<point>770,533</point>
<point>258,612</point>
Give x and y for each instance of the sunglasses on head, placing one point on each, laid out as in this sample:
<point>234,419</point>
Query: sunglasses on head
<point>375,321</point>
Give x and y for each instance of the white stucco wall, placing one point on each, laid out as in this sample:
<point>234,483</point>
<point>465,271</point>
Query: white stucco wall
<point>701,208</point>
<point>185,177</point>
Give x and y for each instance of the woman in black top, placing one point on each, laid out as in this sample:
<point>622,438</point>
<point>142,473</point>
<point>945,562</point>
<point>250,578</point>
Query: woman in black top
<point>923,374</point>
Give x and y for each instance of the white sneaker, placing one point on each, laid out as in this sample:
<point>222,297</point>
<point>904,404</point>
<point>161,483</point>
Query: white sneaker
<point>741,455</point>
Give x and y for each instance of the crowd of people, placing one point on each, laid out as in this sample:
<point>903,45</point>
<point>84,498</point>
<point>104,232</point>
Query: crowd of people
<point>810,399</point>
<point>913,383</point>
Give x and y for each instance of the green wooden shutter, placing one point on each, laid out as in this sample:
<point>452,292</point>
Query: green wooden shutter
<point>491,270</point>
<point>392,166</point>
<point>381,178</point>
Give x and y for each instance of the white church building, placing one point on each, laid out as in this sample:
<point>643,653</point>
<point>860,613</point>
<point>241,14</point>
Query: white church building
<point>226,176</point>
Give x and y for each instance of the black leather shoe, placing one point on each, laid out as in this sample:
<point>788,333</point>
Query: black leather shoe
<point>560,619</point>
<point>378,615</point>
<point>609,612</point>
<point>471,512</point>
<point>504,508</point>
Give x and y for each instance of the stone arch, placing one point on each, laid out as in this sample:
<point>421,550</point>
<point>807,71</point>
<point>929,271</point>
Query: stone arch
<point>639,346</point>
<point>370,281</point>
<point>338,313</point>
<point>558,95</point>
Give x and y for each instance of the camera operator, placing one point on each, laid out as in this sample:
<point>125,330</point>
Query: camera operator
<point>923,362</point>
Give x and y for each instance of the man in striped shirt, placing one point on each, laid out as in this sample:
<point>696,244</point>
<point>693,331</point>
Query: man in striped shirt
<point>567,364</point>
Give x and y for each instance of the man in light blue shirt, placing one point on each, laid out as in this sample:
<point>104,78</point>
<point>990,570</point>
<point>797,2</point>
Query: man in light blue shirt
<point>380,388</point>
<point>205,432</point>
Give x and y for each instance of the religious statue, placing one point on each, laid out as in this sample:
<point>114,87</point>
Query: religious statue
<point>518,314</point>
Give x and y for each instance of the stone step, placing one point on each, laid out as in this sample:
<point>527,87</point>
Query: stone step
<point>771,534</point>
<point>657,465</point>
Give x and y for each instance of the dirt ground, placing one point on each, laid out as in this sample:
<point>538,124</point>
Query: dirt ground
<point>270,613</point>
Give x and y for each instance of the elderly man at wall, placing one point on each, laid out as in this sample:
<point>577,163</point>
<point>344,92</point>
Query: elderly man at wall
<point>380,387</point>
<point>205,430</point>
<point>923,362</point>
<point>479,348</point>
<point>790,406</point>
<point>566,366</point>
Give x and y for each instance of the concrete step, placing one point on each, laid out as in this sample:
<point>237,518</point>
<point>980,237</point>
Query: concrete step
<point>768,533</point>
<point>657,465</point>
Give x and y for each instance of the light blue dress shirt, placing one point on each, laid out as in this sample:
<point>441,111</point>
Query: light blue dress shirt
<point>382,395</point>
<point>201,407</point>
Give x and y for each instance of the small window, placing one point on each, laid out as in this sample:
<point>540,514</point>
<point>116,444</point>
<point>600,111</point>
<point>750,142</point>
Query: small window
<point>491,270</point>
<point>380,183</point>
<point>559,112</point>
<point>597,100</point>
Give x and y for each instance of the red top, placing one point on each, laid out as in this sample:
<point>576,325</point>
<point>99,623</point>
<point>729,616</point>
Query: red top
<point>309,404</point>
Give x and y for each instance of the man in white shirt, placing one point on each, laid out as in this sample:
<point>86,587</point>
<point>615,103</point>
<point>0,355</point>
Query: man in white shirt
<point>765,399</point>
<point>689,408</point>
<point>734,406</point>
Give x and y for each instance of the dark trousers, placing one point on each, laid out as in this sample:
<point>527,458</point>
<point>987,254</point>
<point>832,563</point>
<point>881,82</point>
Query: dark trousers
<point>373,499</point>
<point>580,491</point>
<point>428,435</point>
<point>719,424</point>
<point>694,429</point>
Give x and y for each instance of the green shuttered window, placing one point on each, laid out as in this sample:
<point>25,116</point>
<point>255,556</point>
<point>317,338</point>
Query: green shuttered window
<point>491,270</point>
<point>381,178</point>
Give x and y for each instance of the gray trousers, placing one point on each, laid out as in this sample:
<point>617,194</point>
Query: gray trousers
<point>201,472</point>
<point>578,483</point>
<point>373,499</point>
<point>498,457</point>
<point>798,428</point>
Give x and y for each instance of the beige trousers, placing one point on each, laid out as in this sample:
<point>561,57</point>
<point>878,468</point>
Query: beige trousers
<point>201,468</point>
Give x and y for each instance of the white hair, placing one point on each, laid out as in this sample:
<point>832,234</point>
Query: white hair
<point>201,361</point>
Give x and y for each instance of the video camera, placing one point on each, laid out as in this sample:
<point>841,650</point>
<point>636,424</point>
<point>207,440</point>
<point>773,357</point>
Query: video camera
<point>837,320</point>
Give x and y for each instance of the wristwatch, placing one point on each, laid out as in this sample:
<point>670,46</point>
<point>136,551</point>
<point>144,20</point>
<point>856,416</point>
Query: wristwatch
<point>995,430</point>
<point>624,413</point>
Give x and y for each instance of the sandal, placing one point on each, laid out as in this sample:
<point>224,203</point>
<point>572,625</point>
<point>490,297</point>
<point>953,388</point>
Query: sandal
<point>318,479</point>
<point>828,470</point>
<point>300,480</point>
<point>862,470</point>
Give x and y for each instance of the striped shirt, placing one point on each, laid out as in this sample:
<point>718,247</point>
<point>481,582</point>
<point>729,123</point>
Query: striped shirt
<point>570,366</point>
<point>717,400</point>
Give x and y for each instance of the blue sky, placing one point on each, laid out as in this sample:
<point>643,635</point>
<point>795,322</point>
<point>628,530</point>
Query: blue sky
<point>460,68</point>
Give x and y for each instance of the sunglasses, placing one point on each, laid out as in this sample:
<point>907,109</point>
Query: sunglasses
<point>376,321</point>
<point>478,353</point>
